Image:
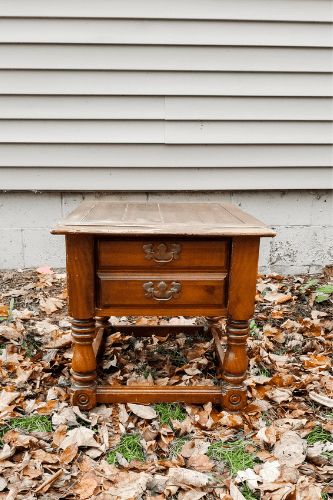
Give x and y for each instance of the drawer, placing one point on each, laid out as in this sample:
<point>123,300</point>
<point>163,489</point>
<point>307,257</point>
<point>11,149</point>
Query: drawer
<point>141,293</point>
<point>159,254</point>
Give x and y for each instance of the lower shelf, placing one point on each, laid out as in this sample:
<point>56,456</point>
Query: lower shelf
<point>157,394</point>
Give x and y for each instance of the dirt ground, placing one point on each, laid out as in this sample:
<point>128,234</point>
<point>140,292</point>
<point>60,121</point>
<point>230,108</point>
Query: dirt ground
<point>280,447</point>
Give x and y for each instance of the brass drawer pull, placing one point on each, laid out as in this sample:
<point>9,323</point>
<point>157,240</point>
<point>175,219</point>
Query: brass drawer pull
<point>162,292</point>
<point>161,253</point>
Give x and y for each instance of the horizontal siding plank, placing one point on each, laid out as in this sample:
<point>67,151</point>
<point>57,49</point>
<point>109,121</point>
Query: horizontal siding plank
<point>169,132</point>
<point>237,132</point>
<point>308,10</point>
<point>248,108</point>
<point>157,156</point>
<point>169,108</point>
<point>157,32</point>
<point>131,57</point>
<point>163,83</point>
<point>85,107</point>
<point>116,179</point>
<point>75,131</point>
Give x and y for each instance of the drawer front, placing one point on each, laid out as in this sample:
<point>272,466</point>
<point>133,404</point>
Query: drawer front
<point>159,254</point>
<point>162,294</point>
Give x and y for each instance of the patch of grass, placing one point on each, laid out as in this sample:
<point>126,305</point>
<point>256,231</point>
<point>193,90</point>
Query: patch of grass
<point>176,446</point>
<point>233,454</point>
<point>309,284</point>
<point>145,370</point>
<point>254,329</point>
<point>318,434</point>
<point>263,370</point>
<point>3,430</point>
<point>37,423</point>
<point>248,493</point>
<point>323,293</point>
<point>129,447</point>
<point>196,337</point>
<point>176,357</point>
<point>31,345</point>
<point>169,411</point>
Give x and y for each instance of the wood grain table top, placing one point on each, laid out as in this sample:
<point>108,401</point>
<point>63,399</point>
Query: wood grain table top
<point>139,218</point>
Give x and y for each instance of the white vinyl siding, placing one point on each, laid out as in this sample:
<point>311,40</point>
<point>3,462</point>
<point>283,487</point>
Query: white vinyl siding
<point>165,94</point>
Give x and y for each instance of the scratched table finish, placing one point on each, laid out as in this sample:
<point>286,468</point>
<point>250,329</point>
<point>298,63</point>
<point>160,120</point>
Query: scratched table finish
<point>161,259</point>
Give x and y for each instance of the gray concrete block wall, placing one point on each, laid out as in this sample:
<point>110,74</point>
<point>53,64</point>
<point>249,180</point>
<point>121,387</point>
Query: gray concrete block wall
<point>302,219</point>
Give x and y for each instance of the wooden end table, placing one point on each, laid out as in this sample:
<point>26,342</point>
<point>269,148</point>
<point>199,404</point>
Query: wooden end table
<point>163,259</point>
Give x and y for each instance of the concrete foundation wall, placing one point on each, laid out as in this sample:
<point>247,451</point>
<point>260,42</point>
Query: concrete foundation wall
<point>302,219</point>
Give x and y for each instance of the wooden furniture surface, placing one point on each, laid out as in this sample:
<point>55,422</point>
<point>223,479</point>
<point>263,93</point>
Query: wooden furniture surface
<point>164,259</point>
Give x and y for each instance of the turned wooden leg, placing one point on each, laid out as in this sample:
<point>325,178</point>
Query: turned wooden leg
<point>102,321</point>
<point>242,289</point>
<point>235,365</point>
<point>83,364</point>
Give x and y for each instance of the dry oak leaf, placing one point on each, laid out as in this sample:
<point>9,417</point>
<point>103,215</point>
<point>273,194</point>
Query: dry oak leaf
<point>61,340</point>
<point>279,395</point>
<point>50,304</point>
<point>45,327</point>
<point>235,493</point>
<point>143,411</point>
<point>317,360</point>
<point>6,398</point>
<point>267,434</point>
<point>69,453</point>
<point>231,420</point>
<point>129,486</point>
<point>81,436</point>
<point>190,495</point>
<point>280,491</point>
<point>287,424</point>
<point>32,470</point>
<point>9,333</point>
<point>194,448</point>
<point>44,457</point>
<point>305,490</point>
<point>123,415</point>
<point>186,477</point>
<point>3,483</point>
<point>4,310</point>
<point>201,463</point>
<point>290,450</point>
<point>184,427</point>
<point>277,298</point>
<point>19,440</point>
<point>64,416</point>
<point>203,418</point>
<point>86,486</point>
<point>321,399</point>
<point>270,471</point>
<point>249,476</point>
<point>24,314</point>
<point>7,452</point>
<point>44,270</point>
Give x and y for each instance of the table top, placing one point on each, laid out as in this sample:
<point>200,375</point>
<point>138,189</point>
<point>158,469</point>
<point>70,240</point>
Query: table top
<point>139,218</point>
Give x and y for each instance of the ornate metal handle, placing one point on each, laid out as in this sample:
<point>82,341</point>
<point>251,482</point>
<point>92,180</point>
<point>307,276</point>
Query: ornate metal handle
<point>162,292</point>
<point>161,253</point>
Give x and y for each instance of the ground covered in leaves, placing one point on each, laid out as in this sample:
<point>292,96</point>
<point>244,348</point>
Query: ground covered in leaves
<point>280,447</point>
